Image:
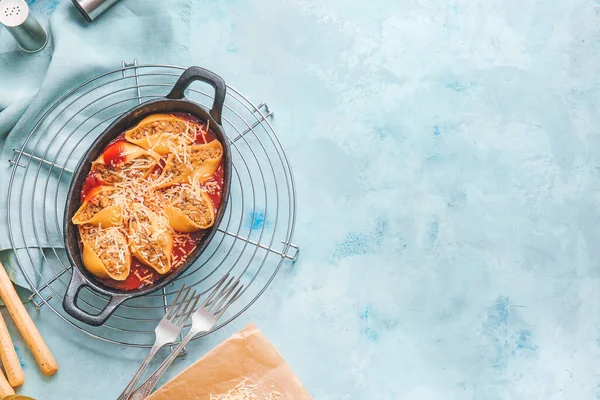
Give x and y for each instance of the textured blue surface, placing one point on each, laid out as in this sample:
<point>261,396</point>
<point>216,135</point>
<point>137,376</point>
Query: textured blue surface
<point>447,161</point>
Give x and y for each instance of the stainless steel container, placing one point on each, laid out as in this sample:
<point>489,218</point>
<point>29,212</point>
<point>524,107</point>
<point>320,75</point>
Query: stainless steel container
<point>91,9</point>
<point>27,31</point>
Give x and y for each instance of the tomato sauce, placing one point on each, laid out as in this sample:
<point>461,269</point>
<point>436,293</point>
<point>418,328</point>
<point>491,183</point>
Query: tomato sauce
<point>92,181</point>
<point>114,153</point>
<point>184,244</point>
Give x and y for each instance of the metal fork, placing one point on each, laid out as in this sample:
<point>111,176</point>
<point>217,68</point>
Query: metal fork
<point>166,332</point>
<point>203,320</point>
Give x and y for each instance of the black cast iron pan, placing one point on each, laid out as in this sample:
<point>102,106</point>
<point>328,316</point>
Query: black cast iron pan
<point>175,101</point>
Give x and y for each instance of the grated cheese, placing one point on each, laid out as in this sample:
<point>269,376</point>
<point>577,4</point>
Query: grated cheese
<point>245,391</point>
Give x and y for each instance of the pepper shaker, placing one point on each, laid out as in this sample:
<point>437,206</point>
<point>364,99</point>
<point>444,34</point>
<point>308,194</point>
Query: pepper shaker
<point>91,9</point>
<point>27,31</point>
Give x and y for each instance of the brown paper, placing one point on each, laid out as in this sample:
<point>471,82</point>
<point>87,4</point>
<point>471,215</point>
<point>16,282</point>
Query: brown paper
<point>247,358</point>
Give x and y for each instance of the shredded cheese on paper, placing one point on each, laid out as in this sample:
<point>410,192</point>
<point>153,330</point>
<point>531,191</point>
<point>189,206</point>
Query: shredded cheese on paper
<point>245,391</point>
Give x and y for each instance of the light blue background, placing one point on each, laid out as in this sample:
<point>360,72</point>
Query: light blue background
<point>447,158</point>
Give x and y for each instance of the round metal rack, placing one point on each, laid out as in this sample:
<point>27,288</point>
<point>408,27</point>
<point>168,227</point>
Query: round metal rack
<point>253,240</point>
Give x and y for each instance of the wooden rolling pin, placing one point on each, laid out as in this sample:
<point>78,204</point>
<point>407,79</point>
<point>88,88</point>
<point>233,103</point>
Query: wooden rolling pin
<point>5,388</point>
<point>9,357</point>
<point>23,321</point>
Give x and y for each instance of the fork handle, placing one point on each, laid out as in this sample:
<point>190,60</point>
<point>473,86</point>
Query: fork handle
<point>127,392</point>
<point>146,388</point>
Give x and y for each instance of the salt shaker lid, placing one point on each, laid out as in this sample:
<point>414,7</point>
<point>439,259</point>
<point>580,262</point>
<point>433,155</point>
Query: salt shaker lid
<point>13,12</point>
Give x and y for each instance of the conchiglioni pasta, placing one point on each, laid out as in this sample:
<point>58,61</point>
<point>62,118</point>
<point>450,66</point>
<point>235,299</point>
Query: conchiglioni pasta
<point>98,208</point>
<point>147,200</point>
<point>190,210</point>
<point>123,160</point>
<point>197,161</point>
<point>105,252</point>
<point>151,239</point>
<point>161,133</point>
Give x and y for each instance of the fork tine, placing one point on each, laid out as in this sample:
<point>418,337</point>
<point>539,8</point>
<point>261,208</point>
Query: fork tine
<point>183,315</point>
<point>191,311</point>
<point>230,302</point>
<point>215,291</point>
<point>221,292</point>
<point>176,312</point>
<point>186,302</point>
<point>175,301</point>
<point>223,296</point>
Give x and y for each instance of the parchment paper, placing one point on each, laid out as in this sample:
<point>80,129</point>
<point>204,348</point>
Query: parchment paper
<point>248,356</point>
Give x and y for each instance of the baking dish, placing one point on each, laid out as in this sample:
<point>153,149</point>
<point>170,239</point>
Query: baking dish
<point>174,102</point>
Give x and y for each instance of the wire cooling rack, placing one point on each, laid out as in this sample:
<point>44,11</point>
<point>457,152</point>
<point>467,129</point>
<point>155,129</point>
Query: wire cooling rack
<point>253,240</point>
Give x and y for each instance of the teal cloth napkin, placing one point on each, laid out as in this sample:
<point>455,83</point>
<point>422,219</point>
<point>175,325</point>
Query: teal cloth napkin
<point>155,32</point>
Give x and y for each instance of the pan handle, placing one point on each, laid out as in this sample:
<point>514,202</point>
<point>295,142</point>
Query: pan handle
<point>200,74</point>
<point>70,302</point>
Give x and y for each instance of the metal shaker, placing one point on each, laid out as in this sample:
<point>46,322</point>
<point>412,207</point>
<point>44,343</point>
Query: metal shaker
<point>91,9</point>
<point>27,31</point>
